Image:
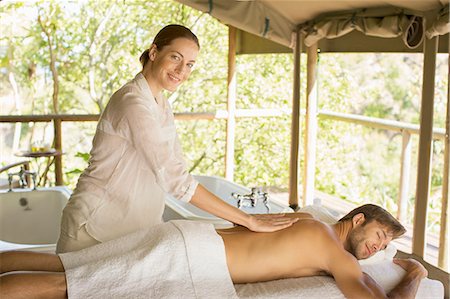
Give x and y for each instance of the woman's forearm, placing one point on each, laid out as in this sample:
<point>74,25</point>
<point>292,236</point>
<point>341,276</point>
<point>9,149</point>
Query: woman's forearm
<point>210,203</point>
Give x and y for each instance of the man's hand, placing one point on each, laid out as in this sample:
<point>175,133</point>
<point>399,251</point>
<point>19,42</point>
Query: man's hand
<point>415,272</point>
<point>270,222</point>
<point>412,266</point>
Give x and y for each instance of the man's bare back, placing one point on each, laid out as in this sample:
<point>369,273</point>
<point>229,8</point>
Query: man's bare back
<point>293,252</point>
<point>310,247</point>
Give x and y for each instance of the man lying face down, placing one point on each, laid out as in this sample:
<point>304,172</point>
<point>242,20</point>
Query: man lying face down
<point>307,248</point>
<point>311,247</point>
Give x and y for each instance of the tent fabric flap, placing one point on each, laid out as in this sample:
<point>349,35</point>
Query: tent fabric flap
<point>409,27</point>
<point>441,25</point>
<point>251,16</point>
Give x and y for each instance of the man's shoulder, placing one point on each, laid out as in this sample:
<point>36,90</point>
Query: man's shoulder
<point>318,241</point>
<point>317,233</point>
<point>313,225</point>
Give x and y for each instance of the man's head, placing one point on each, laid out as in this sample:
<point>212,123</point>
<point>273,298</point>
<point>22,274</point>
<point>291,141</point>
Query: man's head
<point>372,230</point>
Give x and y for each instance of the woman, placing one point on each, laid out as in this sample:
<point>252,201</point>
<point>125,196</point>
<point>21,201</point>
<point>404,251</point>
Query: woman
<point>136,156</point>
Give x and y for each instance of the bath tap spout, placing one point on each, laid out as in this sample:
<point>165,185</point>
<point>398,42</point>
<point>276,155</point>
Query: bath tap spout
<point>10,179</point>
<point>266,202</point>
<point>22,178</point>
<point>22,182</point>
<point>33,177</point>
<point>251,200</point>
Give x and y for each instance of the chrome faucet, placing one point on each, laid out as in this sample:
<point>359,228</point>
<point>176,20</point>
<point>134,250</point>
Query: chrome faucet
<point>251,200</point>
<point>22,178</point>
<point>33,177</point>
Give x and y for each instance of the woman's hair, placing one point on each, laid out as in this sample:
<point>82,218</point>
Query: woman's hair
<point>165,36</point>
<point>373,212</point>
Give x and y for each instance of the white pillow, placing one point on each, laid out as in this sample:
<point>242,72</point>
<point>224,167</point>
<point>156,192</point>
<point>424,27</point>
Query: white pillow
<point>385,273</point>
<point>382,255</point>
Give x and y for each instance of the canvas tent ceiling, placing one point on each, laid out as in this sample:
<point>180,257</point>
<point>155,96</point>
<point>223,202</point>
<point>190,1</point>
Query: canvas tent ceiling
<point>268,25</point>
<point>301,11</point>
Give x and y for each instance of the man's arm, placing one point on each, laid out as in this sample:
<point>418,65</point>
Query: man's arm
<point>415,272</point>
<point>407,288</point>
<point>350,279</point>
<point>355,284</point>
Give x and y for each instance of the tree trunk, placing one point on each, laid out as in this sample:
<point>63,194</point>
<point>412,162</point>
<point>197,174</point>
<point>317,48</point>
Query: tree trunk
<point>52,66</point>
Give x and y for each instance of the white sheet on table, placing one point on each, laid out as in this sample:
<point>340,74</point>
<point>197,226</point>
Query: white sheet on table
<point>319,287</point>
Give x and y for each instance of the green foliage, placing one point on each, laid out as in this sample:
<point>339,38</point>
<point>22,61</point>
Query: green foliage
<point>363,165</point>
<point>203,143</point>
<point>262,151</point>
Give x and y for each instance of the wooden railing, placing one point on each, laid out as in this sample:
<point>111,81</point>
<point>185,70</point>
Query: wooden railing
<point>406,129</point>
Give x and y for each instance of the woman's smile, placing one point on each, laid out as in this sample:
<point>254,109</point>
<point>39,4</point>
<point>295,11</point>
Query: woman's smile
<point>171,65</point>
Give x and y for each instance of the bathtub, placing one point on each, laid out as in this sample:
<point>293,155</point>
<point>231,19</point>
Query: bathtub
<point>222,188</point>
<point>30,219</point>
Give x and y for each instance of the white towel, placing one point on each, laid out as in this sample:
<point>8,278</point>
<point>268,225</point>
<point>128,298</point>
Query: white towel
<point>319,287</point>
<point>178,259</point>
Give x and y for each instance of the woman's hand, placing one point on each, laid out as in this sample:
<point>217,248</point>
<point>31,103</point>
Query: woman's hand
<point>269,222</point>
<point>210,203</point>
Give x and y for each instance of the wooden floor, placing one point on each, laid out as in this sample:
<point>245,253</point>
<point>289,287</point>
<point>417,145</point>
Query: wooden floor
<point>339,207</point>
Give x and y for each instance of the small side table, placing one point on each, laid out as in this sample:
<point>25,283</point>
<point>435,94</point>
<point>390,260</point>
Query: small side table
<point>47,154</point>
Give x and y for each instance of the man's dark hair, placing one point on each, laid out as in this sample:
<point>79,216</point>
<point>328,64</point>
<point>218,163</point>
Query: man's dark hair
<point>373,212</point>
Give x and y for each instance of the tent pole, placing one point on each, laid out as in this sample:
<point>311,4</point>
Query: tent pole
<point>309,168</point>
<point>57,123</point>
<point>405,171</point>
<point>231,104</point>
<point>295,126</point>
<point>444,232</point>
<point>425,147</point>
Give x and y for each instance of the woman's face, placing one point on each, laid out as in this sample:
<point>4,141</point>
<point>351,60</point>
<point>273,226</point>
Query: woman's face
<point>173,64</point>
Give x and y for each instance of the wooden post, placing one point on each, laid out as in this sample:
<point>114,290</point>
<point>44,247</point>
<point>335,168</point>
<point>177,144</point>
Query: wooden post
<point>310,126</point>
<point>444,229</point>
<point>295,127</point>
<point>405,170</point>
<point>231,104</point>
<point>58,147</point>
<point>425,143</point>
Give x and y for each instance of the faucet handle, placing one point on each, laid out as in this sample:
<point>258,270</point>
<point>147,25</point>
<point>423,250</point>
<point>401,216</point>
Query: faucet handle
<point>259,194</point>
<point>256,190</point>
<point>20,173</point>
<point>236,195</point>
<point>242,200</point>
<point>22,178</point>
<point>10,181</point>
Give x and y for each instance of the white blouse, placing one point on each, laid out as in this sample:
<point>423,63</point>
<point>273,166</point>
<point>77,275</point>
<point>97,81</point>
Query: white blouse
<point>135,159</point>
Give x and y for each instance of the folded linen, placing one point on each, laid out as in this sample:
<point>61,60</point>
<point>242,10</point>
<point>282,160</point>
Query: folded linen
<point>177,259</point>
